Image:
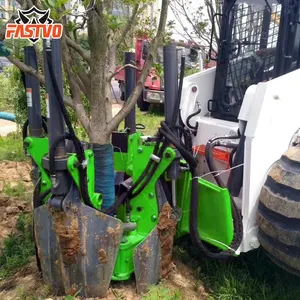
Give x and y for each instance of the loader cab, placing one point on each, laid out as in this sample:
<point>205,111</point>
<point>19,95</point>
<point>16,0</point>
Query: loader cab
<point>249,50</point>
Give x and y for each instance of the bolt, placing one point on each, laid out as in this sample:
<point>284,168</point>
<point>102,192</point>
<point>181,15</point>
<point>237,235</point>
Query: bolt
<point>154,218</point>
<point>276,97</point>
<point>194,89</point>
<point>151,195</point>
<point>91,154</point>
<point>127,260</point>
<point>26,144</point>
<point>167,155</point>
<point>140,150</point>
<point>44,182</point>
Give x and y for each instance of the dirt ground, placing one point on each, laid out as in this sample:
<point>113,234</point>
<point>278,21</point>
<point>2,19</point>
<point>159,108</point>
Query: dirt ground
<point>12,174</point>
<point>28,284</point>
<point>6,127</point>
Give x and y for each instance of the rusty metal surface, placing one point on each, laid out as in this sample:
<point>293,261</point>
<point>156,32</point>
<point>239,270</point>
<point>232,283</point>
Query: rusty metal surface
<point>77,247</point>
<point>147,260</point>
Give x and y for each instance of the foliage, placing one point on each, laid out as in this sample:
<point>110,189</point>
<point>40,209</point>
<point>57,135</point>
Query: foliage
<point>188,72</point>
<point>201,20</point>
<point>252,276</point>
<point>17,191</point>
<point>11,147</point>
<point>161,292</point>
<point>5,94</point>
<point>18,247</point>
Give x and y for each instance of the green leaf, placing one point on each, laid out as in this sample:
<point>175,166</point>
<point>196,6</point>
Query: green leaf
<point>68,297</point>
<point>50,3</point>
<point>54,15</point>
<point>70,26</point>
<point>59,3</point>
<point>65,13</point>
<point>86,3</point>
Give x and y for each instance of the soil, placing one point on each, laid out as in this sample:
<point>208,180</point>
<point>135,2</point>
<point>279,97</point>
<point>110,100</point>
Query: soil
<point>167,230</point>
<point>28,284</point>
<point>68,237</point>
<point>12,173</point>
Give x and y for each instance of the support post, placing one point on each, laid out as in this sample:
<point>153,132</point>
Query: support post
<point>170,80</point>
<point>56,125</point>
<point>130,83</point>
<point>33,94</point>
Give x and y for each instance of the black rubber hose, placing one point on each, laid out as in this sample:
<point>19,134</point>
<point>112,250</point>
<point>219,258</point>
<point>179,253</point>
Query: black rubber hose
<point>149,165</point>
<point>231,157</point>
<point>189,125</point>
<point>71,135</point>
<point>58,94</point>
<point>81,171</point>
<point>133,193</point>
<point>142,181</point>
<point>26,124</point>
<point>237,218</point>
<point>235,180</point>
<point>187,155</point>
<point>209,157</point>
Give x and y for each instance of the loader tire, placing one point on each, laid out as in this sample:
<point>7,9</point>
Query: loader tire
<point>278,215</point>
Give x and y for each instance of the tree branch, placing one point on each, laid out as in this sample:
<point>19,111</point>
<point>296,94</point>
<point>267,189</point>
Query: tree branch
<point>130,103</point>
<point>23,67</point>
<point>75,90</point>
<point>129,25</point>
<point>120,69</point>
<point>82,52</point>
<point>39,57</point>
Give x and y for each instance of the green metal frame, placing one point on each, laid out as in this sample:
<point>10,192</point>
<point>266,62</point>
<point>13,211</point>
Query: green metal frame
<point>215,224</point>
<point>144,208</point>
<point>96,198</point>
<point>38,148</point>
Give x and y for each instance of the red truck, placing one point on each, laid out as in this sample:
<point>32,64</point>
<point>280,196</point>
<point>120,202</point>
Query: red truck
<point>153,92</point>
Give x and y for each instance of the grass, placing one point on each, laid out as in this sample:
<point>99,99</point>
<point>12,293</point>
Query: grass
<point>11,148</point>
<point>18,247</point>
<point>18,191</point>
<point>252,276</point>
<point>151,120</point>
<point>160,292</point>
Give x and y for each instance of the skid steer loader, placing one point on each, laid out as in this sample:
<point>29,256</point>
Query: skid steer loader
<point>223,167</point>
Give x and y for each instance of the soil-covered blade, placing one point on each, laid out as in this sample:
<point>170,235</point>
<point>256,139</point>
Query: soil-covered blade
<point>77,247</point>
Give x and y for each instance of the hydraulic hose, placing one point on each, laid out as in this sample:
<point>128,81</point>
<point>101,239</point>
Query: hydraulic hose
<point>26,124</point>
<point>82,171</point>
<point>142,181</point>
<point>237,218</point>
<point>232,153</point>
<point>72,136</point>
<point>209,155</point>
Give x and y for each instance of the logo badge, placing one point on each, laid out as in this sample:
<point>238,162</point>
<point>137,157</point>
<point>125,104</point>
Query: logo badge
<point>33,24</point>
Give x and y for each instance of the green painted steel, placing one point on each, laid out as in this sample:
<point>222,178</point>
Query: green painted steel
<point>215,223</point>
<point>38,148</point>
<point>214,215</point>
<point>72,164</point>
<point>144,208</point>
